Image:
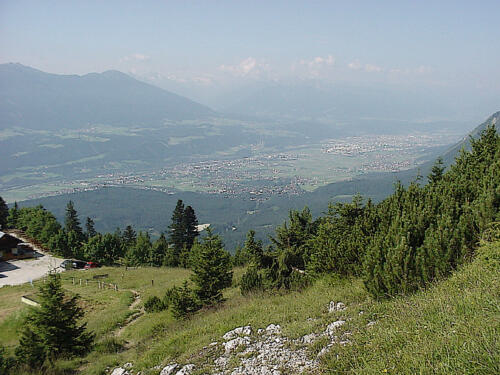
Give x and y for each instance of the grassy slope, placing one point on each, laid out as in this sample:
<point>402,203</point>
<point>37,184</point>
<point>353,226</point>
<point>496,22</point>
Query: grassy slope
<point>451,328</point>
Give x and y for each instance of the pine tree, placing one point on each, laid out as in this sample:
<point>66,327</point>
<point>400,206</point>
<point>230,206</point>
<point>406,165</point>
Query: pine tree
<point>177,231</point>
<point>12,219</point>
<point>52,330</point>
<point>71,221</point>
<point>159,251</point>
<point>4,213</point>
<point>89,227</point>
<point>436,171</point>
<point>252,250</point>
<point>190,227</point>
<point>140,253</point>
<point>212,270</point>
<point>129,236</point>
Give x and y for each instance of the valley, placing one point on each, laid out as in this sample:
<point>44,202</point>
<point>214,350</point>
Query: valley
<point>254,171</point>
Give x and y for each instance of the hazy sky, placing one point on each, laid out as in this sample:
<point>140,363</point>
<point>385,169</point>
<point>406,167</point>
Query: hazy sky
<point>447,43</point>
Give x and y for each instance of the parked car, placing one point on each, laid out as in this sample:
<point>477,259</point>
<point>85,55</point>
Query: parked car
<point>67,264</point>
<point>79,264</point>
<point>90,265</point>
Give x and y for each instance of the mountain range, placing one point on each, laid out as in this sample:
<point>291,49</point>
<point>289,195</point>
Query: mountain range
<point>33,99</point>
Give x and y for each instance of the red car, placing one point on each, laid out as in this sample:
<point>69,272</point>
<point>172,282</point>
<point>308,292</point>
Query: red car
<point>90,265</point>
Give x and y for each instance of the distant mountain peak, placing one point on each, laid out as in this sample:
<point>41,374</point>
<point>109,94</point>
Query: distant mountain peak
<point>39,100</point>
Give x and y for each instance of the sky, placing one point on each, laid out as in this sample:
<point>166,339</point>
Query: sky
<point>453,44</point>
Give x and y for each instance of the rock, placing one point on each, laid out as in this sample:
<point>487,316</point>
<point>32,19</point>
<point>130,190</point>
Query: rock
<point>371,323</point>
<point>127,365</point>
<point>170,369</point>
<point>186,370</point>
<point>240,331</point>
<point>235,343</point>
<point>309,339</point>
<point>273,329</point>
<point>120,371</point>
<point>332,327</point>
<point>213,343</point>
<point>323,351</point>
<point>339,306</point>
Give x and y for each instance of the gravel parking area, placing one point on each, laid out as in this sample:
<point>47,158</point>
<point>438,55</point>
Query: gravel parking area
<point>15,272</point>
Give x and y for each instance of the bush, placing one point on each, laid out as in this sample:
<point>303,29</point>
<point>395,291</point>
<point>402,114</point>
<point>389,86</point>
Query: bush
<point>6,362</point>
<point>154,304</point>
<point>183,301</point>
<point>109,345</point>
<point>251,281</point>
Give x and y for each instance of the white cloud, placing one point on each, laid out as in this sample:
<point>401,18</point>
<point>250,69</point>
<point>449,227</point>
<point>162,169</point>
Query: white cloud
<point>136,57</point>
<point>354,65</point>
<point>319,61</point>
<point>314,68</point>
<point>373,68</point>
<point>422,69</point>
<point>370,68</point>
<point>246,67</point>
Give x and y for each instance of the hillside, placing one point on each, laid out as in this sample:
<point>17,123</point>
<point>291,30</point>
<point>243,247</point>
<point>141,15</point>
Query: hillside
<point>451,328</point>
<point>33,99</point>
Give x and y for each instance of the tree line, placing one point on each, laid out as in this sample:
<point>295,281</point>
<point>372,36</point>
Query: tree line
<point>71,240</point>
<point>417,235</point>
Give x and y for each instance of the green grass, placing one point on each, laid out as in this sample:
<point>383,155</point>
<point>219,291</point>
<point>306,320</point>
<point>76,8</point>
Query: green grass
<point>451,328</point>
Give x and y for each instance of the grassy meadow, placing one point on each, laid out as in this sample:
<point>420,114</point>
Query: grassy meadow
<point>451,328</point>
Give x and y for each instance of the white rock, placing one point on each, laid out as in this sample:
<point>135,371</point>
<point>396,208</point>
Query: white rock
<point>240,331</point>
<point>310,338</point>
<point>339,306</point>
<point>273,329</point>
<point>120,371</point>
<point>186,370</point>
<point>234,343</point>
<point>170,369</point>
<point>323,351</point>
<point>371,323</point>
<point>331,328</point>
<point>127,365</point>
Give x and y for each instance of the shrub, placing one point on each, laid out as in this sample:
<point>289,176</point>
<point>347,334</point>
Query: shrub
<point>154,304</point>
<point>6,362</point>
<point>251,281</point>
<point>109,345</point>
<point>183,301</point>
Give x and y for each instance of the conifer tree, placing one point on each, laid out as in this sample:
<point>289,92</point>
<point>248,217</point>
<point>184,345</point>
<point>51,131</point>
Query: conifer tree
<point>177,232</point>
<point>252,250</point>
<point>52,330</point>
<point>140,253</point>
<point>212,270</point>
<point>4,213</point>
<point>436,171</point>
<point>159,251</point>
<point>89,227</point>
<point>190,227</point>
<point>12,219</point>
<point>71,221</point>
<point>129,236</point>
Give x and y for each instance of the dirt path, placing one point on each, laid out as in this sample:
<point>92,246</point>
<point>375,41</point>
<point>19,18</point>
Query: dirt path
<point>132,318</point>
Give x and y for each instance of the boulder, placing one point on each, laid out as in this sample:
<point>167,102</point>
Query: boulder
<point>240,331</point>
<point>169,369</point>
